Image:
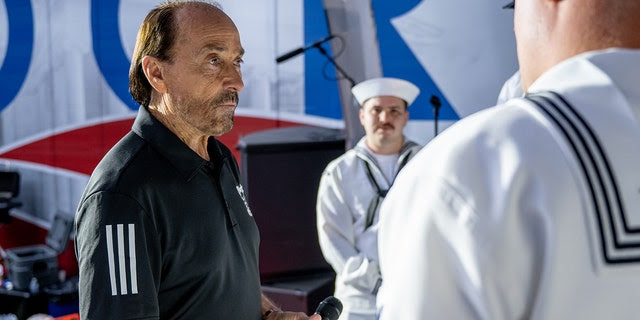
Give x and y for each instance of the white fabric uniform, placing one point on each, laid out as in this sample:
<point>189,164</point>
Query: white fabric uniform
<point>495,218</point>
<point>344,196</point>
<point>512,88</point>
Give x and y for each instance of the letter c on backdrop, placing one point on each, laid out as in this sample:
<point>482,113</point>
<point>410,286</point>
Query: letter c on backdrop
<point>19,50</point>
<point>107,48</point>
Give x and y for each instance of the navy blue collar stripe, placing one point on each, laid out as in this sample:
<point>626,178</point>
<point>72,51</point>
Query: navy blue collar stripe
<point>620,242</point>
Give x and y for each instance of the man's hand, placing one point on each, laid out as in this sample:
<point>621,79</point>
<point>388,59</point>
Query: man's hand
<point>276,314</point>
<point>284,315</point>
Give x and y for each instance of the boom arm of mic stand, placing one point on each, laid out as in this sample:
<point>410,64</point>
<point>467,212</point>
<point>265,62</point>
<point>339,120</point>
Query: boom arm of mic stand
<point>344,73</point>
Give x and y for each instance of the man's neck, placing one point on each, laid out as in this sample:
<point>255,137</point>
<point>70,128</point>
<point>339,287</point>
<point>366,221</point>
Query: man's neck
<point>192,137</point>
<point>384,147</point>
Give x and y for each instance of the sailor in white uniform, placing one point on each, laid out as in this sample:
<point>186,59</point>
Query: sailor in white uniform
<point>530,209</point>
<point>353,186</point>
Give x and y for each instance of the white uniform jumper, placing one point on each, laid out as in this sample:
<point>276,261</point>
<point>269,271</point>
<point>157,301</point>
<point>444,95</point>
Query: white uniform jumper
<point>525,211</point>
<point>351,189</point>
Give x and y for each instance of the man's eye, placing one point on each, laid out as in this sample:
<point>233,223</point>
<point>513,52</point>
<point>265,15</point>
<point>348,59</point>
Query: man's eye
<point>239,62</point>
<point>214,61</point>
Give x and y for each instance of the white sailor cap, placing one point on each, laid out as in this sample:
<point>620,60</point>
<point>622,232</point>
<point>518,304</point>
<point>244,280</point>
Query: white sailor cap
<point>376,87</point>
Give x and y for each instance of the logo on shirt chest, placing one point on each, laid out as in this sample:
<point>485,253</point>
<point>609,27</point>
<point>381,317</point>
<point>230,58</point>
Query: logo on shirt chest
<point>240,190</point>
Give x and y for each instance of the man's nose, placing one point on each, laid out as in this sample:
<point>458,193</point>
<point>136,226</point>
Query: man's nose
<point>383,116</point>
<point>232,80</point>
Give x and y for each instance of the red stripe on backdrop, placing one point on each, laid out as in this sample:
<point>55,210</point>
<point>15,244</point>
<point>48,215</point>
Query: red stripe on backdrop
<point>81,149</point>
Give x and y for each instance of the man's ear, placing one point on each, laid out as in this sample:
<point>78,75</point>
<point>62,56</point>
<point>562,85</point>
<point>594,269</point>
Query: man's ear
<point>361,116</point>
<point>153,70</point>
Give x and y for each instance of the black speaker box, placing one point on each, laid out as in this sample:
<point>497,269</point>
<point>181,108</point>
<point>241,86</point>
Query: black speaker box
<point>281,170</point>
<point>302,294</point>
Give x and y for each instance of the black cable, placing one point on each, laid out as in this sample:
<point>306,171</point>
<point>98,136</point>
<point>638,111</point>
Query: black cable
<point>333,61</point>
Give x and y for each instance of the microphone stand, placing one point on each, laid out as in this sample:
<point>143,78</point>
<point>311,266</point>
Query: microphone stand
<point>435,102</point>
<point>344,73</point>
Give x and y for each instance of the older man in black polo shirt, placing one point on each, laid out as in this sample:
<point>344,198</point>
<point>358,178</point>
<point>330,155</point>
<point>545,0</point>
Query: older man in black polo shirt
<point>162,230</point>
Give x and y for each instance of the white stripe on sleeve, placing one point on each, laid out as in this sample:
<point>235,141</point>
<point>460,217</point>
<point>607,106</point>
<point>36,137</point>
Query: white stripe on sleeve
<point>122,260</point>
<point>112,271</point>
<point>132,259</point>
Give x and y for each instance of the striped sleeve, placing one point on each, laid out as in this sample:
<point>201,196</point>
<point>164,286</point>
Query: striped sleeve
<point>118,258</point>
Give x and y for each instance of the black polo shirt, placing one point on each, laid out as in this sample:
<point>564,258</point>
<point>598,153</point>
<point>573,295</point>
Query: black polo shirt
<point>162,233</point>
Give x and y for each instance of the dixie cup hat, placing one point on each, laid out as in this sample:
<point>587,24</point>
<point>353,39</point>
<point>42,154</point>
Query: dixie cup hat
<point>376,87</point>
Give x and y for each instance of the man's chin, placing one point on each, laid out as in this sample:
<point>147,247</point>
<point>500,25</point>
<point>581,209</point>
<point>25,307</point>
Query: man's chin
<point>224,129</point>
<point>385,132</point>
<point>222,126</point>
<point>387,135</point>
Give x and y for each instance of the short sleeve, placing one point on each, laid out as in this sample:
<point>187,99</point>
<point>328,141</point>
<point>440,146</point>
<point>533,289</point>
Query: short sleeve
<point>119,259</point>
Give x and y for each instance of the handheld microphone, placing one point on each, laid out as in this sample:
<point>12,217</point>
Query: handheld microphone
<point>300,50</point>
<point>330,308</point>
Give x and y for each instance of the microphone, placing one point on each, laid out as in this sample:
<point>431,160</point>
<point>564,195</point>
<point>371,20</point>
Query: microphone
<point>330,308</point>
<point>300,50</point>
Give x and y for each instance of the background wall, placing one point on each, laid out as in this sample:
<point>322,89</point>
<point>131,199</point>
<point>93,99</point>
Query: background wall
<point>63,78</point>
